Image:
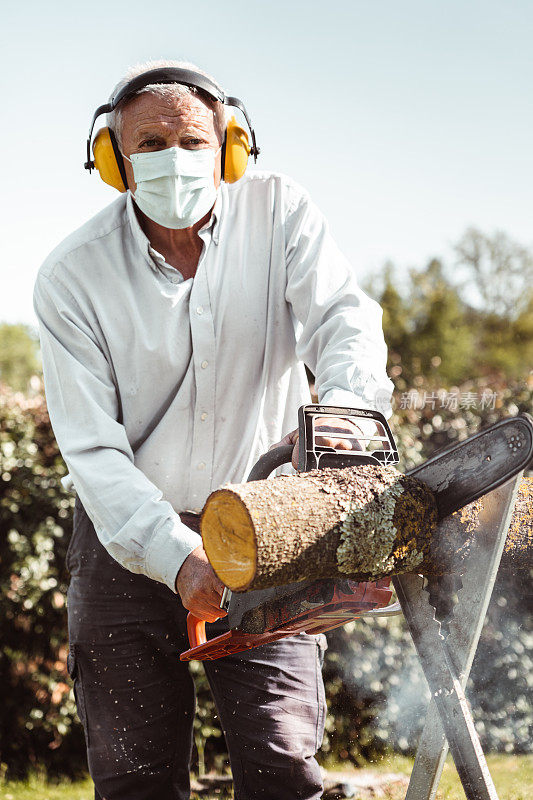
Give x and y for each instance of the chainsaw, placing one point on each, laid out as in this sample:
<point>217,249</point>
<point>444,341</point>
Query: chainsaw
<point>458,475</point>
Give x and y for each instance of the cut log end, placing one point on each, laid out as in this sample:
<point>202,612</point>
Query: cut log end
<point>229,539</point>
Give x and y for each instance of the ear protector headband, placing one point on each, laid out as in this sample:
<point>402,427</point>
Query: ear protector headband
<point>235,149</point>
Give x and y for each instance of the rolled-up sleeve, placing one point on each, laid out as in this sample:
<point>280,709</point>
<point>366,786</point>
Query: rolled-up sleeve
<point>338,327</point>
<point>135,524</point>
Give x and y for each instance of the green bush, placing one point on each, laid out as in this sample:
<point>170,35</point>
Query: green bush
<point>38,723</point>
<point>374,685</point>
<point>20,360</point>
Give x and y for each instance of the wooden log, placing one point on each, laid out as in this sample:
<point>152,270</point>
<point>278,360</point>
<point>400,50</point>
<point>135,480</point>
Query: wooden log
<point>364,523</point>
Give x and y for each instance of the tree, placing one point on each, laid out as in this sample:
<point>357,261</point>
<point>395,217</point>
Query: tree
<point>19,355</point>
<point>443,343</point>
<point>452,325</point>
<point>397,322</point>
<point>425,326</point>
<point>497,272</point>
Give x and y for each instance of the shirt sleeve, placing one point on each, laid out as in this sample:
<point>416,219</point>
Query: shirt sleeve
<point>135,525</point>
<point>339,330</point>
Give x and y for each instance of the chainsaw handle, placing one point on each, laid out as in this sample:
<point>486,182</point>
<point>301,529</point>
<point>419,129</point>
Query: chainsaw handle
<point>195,630</point>
<point>270,461</point>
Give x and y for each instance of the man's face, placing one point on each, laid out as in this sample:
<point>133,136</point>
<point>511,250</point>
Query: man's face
<point>152,123</point>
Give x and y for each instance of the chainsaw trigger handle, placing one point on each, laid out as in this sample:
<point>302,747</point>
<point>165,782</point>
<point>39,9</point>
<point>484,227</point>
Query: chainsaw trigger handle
<point>195,630</point>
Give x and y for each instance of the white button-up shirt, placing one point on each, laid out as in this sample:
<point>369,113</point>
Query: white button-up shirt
<point>161,389</point>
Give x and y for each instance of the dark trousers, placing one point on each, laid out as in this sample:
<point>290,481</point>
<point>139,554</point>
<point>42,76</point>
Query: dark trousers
<point>136,699</point>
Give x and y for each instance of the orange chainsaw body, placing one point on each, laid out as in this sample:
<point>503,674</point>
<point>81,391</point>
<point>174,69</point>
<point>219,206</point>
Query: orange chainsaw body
<point>320,607</point>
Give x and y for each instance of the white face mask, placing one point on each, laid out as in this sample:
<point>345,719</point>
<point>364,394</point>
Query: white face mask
<point>175,187</point>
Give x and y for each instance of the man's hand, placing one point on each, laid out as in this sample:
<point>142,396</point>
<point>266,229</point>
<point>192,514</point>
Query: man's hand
<point>199,588</point>
<point>329,425</point>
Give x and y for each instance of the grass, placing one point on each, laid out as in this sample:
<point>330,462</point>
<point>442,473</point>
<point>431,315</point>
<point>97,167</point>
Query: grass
<point>37,789</point>
<point>512,775</point>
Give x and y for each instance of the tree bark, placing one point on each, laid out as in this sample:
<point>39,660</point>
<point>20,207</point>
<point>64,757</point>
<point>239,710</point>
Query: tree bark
<point>363,523</point>
<point>518,551</point>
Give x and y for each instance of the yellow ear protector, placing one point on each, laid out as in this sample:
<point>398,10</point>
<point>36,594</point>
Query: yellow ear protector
<point>107,158</point>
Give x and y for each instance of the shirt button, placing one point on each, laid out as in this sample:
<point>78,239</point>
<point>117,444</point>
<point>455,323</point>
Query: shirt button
<point>200,310</point>
<point>201,465</point>
<point>203,416</point>
<point>204,364</point>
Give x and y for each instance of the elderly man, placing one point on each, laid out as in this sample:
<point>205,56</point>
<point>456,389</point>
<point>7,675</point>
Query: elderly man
<point>175,326</point>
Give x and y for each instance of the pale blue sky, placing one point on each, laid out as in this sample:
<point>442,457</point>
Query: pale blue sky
<point>407,120</point>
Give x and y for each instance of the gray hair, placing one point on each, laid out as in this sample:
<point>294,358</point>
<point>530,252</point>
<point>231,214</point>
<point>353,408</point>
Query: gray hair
<point>165,91</point>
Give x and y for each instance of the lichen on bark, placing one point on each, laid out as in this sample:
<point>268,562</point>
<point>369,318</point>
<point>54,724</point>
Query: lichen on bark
<point>368,531</point>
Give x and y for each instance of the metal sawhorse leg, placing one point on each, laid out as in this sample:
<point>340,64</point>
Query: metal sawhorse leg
<point>446,661</point>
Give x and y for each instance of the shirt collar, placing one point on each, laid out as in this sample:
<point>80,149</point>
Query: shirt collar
<point>139,235</point>
<point>211,227</point>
